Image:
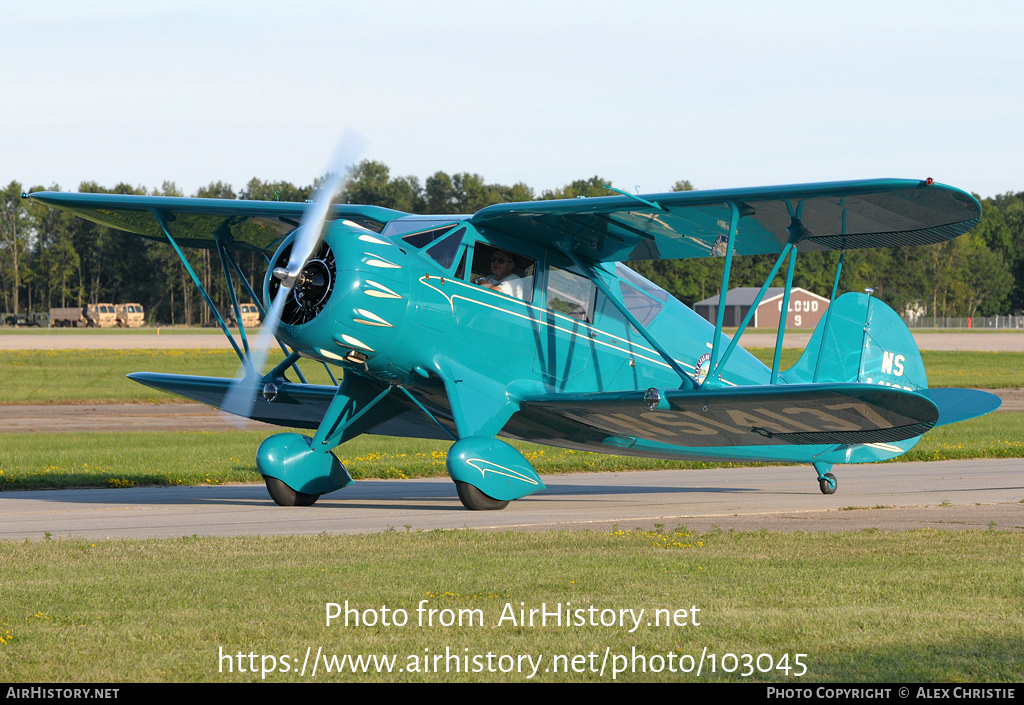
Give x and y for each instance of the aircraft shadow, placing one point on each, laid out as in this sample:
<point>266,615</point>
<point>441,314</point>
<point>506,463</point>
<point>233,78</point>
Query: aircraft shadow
<point>415,496</point>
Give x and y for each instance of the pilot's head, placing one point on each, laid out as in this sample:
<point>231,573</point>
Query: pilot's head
<point>502,264</point>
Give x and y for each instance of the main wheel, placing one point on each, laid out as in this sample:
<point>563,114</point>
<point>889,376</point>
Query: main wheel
<point>827,483</point>
<point>475,500</point>
<point>285,496</point>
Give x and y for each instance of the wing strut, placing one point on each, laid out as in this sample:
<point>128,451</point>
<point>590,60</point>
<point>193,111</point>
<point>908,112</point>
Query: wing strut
<point>199,285</point>
<point>592,275</point>
<point>231,291</point>
<point>752,311</point>
<point>828,314</point>
<point>796,233</point>
<point>263,314</point>
<point>225,260</point>
<point>734,221</point>
<point>783,317</point>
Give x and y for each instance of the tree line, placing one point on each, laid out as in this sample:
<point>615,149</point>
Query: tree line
<point>49,258</point>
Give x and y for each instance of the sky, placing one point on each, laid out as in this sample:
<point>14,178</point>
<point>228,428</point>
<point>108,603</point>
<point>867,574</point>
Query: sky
<point>642,93</point>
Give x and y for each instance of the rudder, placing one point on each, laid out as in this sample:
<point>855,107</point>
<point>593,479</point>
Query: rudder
<point>861,339</point>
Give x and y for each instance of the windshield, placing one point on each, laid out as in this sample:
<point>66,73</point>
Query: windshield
<point>643,298</point>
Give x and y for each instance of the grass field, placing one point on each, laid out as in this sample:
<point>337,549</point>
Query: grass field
<point>98,376</point>
<point>919,606</point>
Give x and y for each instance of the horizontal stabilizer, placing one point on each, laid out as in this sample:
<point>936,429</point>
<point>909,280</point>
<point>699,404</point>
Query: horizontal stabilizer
<point>795,414</point>
<point>962,404</point>
<point>297,405</point>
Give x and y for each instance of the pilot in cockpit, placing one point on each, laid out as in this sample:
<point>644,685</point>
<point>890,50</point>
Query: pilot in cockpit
<point>503,277</point>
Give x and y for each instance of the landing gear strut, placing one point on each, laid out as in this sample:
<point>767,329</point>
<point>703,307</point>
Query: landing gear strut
<point>489,473</point>
<point>826,480</point>
<point>827,483</point>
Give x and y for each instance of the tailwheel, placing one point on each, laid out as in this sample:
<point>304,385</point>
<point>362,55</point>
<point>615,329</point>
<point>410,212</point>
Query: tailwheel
<point>827,483</point>
<point>285,496</point>
<point>475,500</point>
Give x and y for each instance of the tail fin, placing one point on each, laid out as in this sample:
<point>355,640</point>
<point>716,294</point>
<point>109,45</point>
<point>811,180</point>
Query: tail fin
<point>861,339</point>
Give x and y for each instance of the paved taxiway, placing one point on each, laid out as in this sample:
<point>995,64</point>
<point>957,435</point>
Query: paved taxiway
<point>975,494</point>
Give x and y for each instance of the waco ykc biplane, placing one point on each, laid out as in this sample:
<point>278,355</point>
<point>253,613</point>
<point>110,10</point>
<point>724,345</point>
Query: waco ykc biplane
<point>576,350</point>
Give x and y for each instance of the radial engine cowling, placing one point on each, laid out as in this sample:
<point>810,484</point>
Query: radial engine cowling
<point>312,288</point>
<point>347,300</point>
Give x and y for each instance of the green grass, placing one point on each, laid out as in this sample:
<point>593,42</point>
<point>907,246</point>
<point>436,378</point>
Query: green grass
<point>919,606</point>
<point>990,436</point>
<point>98,376</point>
<point>145,330</point>
<point>981,370</point>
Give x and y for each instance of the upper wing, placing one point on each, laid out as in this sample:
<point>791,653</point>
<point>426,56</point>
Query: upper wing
<point>828,216</point>
<point>202,222</point>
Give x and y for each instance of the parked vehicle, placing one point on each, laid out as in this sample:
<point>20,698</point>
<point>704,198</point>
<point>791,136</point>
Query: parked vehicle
<point>90,316</point>
<point>250,316</point>
<point>70,317</point>
<point>130,316</point>
<point>40,319</point>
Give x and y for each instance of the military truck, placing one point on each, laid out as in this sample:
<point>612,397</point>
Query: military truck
<point>250,315</point>
<point>37,319</point>
<point>90,316</point>
<point>130,316</point>
<point>67,317</point>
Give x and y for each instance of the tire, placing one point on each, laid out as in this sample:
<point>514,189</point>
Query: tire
<point>475,500</point>
<point>825,486</point>
<point>285,496</point>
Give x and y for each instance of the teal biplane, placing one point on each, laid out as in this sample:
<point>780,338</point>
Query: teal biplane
<point>563,344</point>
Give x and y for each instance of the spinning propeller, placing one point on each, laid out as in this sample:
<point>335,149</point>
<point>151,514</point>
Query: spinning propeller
<point>299,288</point>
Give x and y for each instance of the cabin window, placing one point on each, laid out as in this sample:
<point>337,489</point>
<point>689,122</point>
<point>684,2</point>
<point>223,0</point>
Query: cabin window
<point>460,273</point>
<point>570,294</point>
<point>489,265</point>
<point>644,299</point>
<point>444,252</point>
<point>425,237</point>
<point>642,306</point>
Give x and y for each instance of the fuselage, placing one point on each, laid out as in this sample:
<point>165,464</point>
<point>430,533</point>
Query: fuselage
<point>402,308</point>
<point>393,302</point>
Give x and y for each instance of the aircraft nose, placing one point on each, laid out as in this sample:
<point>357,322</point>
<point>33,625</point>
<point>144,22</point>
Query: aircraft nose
<point>370,297</point>
<point>370,309</point>
<point>349,298</point>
